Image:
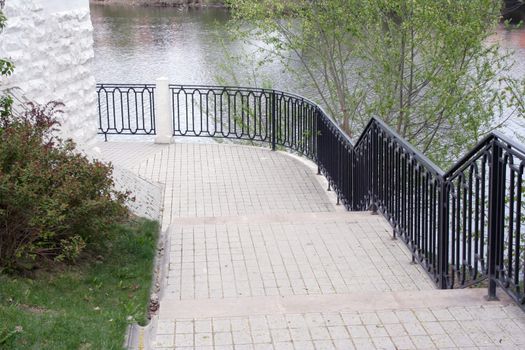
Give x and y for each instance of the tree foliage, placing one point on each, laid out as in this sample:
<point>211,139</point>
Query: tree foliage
<point>424,67</point>
<point>514,90</point>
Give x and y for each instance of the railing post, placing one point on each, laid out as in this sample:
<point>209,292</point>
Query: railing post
<point>353,180</point>
<point>375,167</point>
<point>163,122</point>
<point>496,218</point>
<point>273,118</point>
<point>339,180</point>
<point>443,239</point>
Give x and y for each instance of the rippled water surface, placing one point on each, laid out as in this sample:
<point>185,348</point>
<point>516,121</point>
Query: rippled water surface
<point>139,44</point>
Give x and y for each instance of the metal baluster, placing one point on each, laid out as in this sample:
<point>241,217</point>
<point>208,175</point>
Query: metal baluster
<point>443,233</point>
<point>495,216</point>
<point>273,119</point>
<point>518,253</point>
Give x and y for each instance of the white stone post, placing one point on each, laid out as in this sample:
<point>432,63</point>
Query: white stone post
<point>164,124</point>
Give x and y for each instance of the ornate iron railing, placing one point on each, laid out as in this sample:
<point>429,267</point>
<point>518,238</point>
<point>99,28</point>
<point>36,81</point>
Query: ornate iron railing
<point>406,187</point>
<point>126,109</point>
<point>251,114</point>
<point>463,226</point>
<point>483,211</point>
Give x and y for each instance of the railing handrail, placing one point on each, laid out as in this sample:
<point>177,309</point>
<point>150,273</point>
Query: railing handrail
<point>413,150</point>
<point>101,85</point>
<point>493,135</point>
<point>490,137</point>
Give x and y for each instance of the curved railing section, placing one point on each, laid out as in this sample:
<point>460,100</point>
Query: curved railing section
<point>249,114</point>
<point>463,226</point>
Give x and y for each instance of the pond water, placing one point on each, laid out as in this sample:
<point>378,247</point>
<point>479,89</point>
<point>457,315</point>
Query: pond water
<point>139,44</point>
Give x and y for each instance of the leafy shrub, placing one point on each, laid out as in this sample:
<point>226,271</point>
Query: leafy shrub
<point>54,201</point>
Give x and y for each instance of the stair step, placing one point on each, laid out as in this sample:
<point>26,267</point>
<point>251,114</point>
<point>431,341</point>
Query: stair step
<point>316,217</point>
<point>172,308</point>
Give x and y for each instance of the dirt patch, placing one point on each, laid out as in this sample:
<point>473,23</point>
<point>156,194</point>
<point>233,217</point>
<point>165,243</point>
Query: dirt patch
<point>35,309</point>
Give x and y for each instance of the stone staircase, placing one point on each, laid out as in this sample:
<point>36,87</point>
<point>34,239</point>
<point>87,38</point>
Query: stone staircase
<point>325,280</point>
<point>258,256</point>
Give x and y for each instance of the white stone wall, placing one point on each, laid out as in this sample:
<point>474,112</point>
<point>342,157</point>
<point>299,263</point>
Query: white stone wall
<point>51,45</point>
<point>147,196</point>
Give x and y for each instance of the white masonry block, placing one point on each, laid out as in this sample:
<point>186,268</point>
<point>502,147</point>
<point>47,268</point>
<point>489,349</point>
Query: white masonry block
<point>51,44</point>
<point>163,120</point>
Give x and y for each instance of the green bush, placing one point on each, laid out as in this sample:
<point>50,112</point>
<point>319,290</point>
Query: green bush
<point>54,201</point>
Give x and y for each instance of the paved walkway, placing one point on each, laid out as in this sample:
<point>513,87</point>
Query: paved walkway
<point>260,257</point>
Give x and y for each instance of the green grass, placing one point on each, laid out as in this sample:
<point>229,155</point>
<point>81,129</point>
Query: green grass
<point>87,306</point>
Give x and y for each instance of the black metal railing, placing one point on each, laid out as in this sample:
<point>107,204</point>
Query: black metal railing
<point>250,114</point>
<point>126,109</point>
<point>483,212</point>
<point>406,187</point>
<point>463,226</point>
